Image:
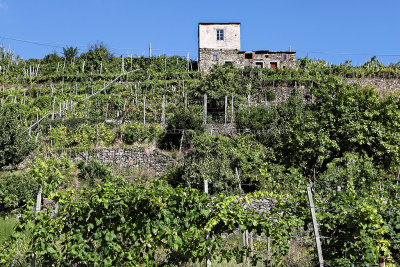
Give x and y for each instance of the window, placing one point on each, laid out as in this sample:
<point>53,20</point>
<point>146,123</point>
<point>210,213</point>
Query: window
<point>274,65</point>
<point>259,64</point>
<point>220,35</point>
<point>284,56</point>
<point>215,56</point>
<point>248,55</point>
<point>228,63</point>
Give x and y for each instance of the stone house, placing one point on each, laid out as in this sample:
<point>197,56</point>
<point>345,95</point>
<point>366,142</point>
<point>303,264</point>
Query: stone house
<point>219,43</point>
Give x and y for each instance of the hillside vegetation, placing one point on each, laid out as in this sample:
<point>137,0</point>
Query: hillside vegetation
<point>337,138</point>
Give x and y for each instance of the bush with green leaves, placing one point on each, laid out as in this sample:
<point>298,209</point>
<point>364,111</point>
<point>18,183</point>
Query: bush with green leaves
<point>70,52</point>
<point>216,159</point>
<point>93,170</point>
<point>121,223</point>
<point>15,144</point>
<point>133,133</point>
<point>341,119</point>
<point>180,121</point>
<point>52,173</point>
<point>16,191</point>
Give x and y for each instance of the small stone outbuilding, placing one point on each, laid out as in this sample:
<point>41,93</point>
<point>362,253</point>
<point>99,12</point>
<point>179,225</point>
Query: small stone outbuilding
<point>219,43</point>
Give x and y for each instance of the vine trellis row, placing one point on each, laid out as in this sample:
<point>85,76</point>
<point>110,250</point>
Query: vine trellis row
<point>74,104</point>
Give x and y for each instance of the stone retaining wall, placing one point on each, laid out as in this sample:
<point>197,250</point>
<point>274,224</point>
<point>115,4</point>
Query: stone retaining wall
<point>152,160</point>
<point>382,86</point>
<point>260,205</point>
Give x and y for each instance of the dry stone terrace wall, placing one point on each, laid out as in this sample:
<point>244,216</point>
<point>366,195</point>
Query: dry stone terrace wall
<point>261,205</point>
<point>152,160</point>
<point>382,86</point>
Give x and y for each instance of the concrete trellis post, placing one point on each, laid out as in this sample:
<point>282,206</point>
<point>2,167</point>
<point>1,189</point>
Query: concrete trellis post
<point>316,231</point>
<point>226,109</point>
<point>186,103</point>
<point>163,111</point>
<point>232,109</point>
<point>205,109</point>
<point>144,110</point>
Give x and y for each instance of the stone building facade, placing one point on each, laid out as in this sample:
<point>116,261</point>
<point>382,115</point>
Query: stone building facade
<point>219,43</point>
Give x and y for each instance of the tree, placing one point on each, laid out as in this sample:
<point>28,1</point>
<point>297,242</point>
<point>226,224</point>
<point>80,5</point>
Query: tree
<point>70,52</point>
<point>181,120</point>
<point>14,146</point>
<point>97,54</point>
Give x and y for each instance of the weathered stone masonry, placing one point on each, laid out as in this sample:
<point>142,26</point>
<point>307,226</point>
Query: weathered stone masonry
<point>219,43</point>
<point>150,160</point>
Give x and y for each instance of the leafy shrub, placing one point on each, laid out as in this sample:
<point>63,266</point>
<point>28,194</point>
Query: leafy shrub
<point>216,158</point>
<point>93,170</point>
<point>14,146</point>
<point>118,224</point>
<point>132,133</point>
<point>16,190</point>
<point>70,52</point>
<point>52,173</point>
<point>50,58</point>
<point>180,120</point>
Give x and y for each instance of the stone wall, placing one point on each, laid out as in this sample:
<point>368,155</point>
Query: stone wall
<point>221,129</point>
<point>382,86</point>
<point>152,160</point>
<point>206,58</point>
<point>282,59</point>
<point>209,57</point>
<point>261,205</point>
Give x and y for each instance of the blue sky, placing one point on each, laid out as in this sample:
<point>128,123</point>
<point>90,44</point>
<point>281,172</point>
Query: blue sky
<point>360,28</point>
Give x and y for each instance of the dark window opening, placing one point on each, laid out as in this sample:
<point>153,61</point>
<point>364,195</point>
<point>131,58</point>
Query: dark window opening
<point>274,65</point>
<point>259,64</point>
<point>228,63</point>
<point>248,55</point>
<point>215,57</point>
<point>220,35</point>
<point>266,56</point>
<point>284,57</point>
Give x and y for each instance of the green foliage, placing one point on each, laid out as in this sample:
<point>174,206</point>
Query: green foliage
<point>15,145</point>
<point>132,133</point>
<point>126,224</point>
<point>342,119</point>
<point>97,54</point>
<point>52,173</point>
<point>215,158</point>
<point>16,191</point>
<point>93,170</point>
<point>181,120</point>
<point>220,82</point>
<point>70,52</point>
<point>51,58</point>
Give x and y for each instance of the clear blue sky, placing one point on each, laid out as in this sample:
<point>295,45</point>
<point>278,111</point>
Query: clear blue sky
<point>353,26</point>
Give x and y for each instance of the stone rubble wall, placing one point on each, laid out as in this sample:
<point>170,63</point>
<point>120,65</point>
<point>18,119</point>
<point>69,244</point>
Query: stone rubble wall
<point>261,205</point>
<point>382,86</point>
<point>221,129</point>
<point>152,160</point>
